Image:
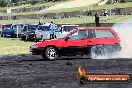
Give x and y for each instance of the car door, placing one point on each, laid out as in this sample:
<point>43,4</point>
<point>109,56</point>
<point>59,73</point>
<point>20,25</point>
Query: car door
<point>76,42</point>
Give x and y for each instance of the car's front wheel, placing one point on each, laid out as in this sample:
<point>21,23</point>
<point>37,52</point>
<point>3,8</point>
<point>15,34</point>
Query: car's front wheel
<point>51,53</point>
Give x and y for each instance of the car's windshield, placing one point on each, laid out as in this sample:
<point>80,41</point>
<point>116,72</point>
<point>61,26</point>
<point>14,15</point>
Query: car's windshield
<point>68,28</point>
<point>44,28</point>
<point>15,26</point>
<point>25,28</point>
<point>32,27</point>
<point>62,35</point>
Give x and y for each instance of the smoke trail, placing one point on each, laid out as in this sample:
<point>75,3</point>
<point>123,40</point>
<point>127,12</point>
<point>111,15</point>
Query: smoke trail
<point>124,31</point>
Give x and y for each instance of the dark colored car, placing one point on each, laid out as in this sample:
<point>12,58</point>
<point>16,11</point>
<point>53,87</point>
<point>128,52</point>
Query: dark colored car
<point>81,41</point>
<point>29,34</point>
<point>23,33</point>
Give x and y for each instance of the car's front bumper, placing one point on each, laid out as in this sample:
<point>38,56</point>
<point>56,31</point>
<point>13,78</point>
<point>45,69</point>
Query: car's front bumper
<point>30,36</point>
<point>36,50</point>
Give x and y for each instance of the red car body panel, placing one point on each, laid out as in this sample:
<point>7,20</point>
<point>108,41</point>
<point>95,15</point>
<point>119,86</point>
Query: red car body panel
<point>93,41</point>
<point>89,42</point>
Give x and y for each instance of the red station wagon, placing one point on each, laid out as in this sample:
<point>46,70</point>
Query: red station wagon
<point>92,41</point>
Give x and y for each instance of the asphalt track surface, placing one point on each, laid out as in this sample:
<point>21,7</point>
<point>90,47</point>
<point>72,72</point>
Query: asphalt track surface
<point>27,71</point>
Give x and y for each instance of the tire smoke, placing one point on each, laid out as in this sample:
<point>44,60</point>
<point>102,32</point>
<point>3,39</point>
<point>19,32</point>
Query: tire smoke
<point>124,31</point>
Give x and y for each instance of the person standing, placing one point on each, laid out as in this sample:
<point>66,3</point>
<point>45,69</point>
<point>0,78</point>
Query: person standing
<point>39,23</point>
<point>106,15</point>
<point>97,18</point>
<point>52,30</point>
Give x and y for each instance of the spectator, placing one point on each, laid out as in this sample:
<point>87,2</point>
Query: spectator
<point>40,23</point>
<point>106,15</point>
<point>97,18</point>
<point>52,30</point>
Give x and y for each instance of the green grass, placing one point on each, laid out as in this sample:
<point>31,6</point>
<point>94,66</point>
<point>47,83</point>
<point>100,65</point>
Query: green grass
<point>13,46</point>
<point>94,7</point>
<point>37,5</point>
<point>73,20</point>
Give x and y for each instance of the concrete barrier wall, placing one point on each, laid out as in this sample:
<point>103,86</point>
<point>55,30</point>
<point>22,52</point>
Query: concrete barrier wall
<point>77,13</point>
<point>118,11</point>
<point>24,9</point>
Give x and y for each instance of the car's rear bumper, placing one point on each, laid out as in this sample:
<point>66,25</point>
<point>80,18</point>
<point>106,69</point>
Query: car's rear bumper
<point>117,47</point>
<point>113,48</point>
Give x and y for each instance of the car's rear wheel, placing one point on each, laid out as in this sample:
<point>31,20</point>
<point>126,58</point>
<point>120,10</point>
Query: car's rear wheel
<point>50,53</point>
<point>22,38</point>
<point>97,52</point>
<point>13,36</point>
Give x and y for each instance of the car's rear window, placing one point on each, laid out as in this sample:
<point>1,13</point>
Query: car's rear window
<point>103,34</point>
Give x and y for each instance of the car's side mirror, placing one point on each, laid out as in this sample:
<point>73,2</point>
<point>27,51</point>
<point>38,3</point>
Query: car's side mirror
<point>66,39</point>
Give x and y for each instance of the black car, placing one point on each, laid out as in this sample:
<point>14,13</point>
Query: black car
<point>22,35</point>
<point>29,32</point>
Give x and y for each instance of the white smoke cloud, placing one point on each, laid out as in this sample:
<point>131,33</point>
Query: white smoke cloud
<point>124,31</point>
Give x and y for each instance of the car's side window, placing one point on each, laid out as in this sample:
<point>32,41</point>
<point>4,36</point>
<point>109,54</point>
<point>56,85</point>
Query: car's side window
<point>79,35</point>
<point>103,34</point>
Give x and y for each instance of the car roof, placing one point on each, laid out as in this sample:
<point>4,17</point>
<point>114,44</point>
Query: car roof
<point>69,25</point>
<point>93,28</point>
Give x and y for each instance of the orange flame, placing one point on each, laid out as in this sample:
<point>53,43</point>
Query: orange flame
<point>81,71</point>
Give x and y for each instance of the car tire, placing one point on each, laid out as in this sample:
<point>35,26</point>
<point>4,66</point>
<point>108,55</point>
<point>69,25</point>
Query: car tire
<point>22,38</point>
<point>97,51</point>
<point>51,53</point>
<point>13,36</point>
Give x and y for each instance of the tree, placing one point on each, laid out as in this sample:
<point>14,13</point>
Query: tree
<point>3,3</point>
